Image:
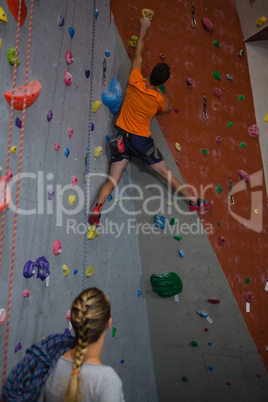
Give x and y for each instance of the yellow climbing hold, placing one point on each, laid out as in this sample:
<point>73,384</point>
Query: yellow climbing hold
<point>256,211</point>
<point>3,17</point>
<point>117,200</point>
<point>170,204</point>
<point>0,43</point>
<point>66,270</point>
<point>148,13</point>
<point>89,271</point>
<point>98,151</point>
<point>261,21</point>
<point>14,150</point>
<point>177,146</point>
<point>133,40</point>
<point>72,199</point>
<point>266,118</point>
<point>91,232</point>
<point>96,105</point>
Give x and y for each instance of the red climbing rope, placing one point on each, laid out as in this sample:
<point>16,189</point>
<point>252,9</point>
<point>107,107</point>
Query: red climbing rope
<point>19,174</point>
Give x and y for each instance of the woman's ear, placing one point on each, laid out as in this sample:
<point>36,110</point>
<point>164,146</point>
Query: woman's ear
<point>109,325</point>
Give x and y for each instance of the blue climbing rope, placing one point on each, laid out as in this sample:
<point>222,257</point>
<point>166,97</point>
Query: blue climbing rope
<point>87,198</point>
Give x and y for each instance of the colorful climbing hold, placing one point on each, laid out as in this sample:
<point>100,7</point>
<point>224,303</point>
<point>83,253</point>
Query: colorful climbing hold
<point>212,300</point>
<point>166,285</point>
<point>96,13</point>
<point>43,269</point>
<point>110,197</point>
<point>184,378</point>
<point>49,115</point>
<point>241,97</point>
<point>204,151</point>
<point>242,144</point>
<point>0,44</point>
<point>243,175</point>
<point>3,17</point>
<point>159,221</point>
<point>206,329</point>
<point>56,146</point>
<point>75,271</point>
<point>189,81</point>
<point>98,151</point>
<point>138,293</point>
<point>217,92</point>
<point>71,32</point>
<point>219,189</point>
<point>162,88</point>
<point>72,199</point>
<point>218,139</point>
<point>69,58</point>
<point>113,98</point>
<point>122,361</point>
<point>11,56</point>
<point>229,383</point>
<point>113,331</point>
<point>216,43</point>
<point>241,53</point>
<point>70,133</point>
<point>9,176</point>
<point>230,124</point>
<point>61,20</point>
<point>13,150</point>
<point>87,73</point>
<point>177,146</point>
<point>18,122</point>
<point>67,152</point>
<point>15,7</point>
<point>211,368</point>
<point>216,75</point>
<point>107,138</point>
<point>180,253</point>
<point>207,24</point>
<point>146,12</point>
<point>32,92</point>
<point>74,181</point>
<point>68,78</point>
<point>219,224</point>
<point>173,221</point>
<point>26,293</point>
<point>17,347</point>
<point>253,131</point>
<point>66,270</point>
<point>50,194</point>
<point>133,41</point>
<point>57,247</point>
<point>89,271</point>
<point>247,280</point>
<point>107,53</point>
<point>266,118</point>
<point>2,315</point>
<point>3,204</point>
<point>194,344</point>
<point>96,105</point>
<point>162,56</point>
<point>229,77</point>
<point>221,240</point>
<point>178,238</point>
<point>92,232</point>
<point>29,269</point>
<point>176,110</point>
<point>260,21</point>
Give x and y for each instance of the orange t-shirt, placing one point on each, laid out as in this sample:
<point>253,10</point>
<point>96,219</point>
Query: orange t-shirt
<point>140,106</point>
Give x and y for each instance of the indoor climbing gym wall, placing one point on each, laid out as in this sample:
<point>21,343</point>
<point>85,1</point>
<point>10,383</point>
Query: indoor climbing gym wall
<point>64,72</point>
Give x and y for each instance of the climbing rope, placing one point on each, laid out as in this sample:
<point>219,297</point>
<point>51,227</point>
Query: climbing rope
<point>87,198</point>
<point>19,172</point>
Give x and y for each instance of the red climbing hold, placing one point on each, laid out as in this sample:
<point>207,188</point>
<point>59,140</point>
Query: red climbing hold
<point>69,58</point>
<point>229,383</point>
<point>248,297</point>
<point>207,24</point>
<point>217,92</point>
<point>243,175</point>
<point>162,56</point>
<point>254,131</point>
<point>13,6</point>
<point>4,205</point>
<point>189,81</point>
<point>221,240</point>
<point>68,78</point>
<point>32,93</point>
<point>214,301</point>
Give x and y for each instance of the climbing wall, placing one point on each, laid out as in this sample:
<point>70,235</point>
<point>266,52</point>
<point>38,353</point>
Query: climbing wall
<point>234,271</point>
<point>49,174</point>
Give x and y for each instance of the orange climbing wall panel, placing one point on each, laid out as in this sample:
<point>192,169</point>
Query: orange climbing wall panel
<point>190,53</point>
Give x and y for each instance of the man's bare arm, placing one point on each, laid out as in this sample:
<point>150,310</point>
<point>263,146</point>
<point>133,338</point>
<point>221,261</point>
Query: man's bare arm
<point>137,58</point>
<point>168,107</point>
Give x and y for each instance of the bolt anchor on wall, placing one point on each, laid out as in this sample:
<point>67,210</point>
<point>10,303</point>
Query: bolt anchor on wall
<point>231,198</point>
<point>204,102</point>
<point>193,20</point>
<point>104,71</point>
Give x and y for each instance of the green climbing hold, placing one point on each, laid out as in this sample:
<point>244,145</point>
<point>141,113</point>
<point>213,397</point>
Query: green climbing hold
<point>205,151</point>
<point>229,124</point>
<point>217,75</point>
<point>113,331</point>
<point>194,343</point>
<point>219,224</point>
<point>166,285</point>
<point>241,97</point>
<point>162,88</point>
<point>173,221</point>
<point>216,43</point>
<point>242,144</point>
<point>219,189</point>
<point>247,280</point>
<point>184,378</point>
<point>1,169</point>
<point>178,238</point>
<point>11,56</point>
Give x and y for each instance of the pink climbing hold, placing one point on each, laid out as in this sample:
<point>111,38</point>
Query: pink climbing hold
<point>243,175</point>
<point>68,315</point>
<point>69,58</point>
<point>26,293</point>
<point>229,383</point>
<point>218,139</point>
<point>57,248</point>
<point>56,146</point>
<point>74,181</point>
<point>207,24</point>
<point>248,297</point>
<point>221,240</point>
<point>189,81</point>
<point>214,301</point>
<point>9,175</point>
<point>68,78</point>
<point>217,92</point>
<point>254,131</point>
<point>70,133</point>
<point>162,56</point>
<point>176,110</point>
<point>2,315</point>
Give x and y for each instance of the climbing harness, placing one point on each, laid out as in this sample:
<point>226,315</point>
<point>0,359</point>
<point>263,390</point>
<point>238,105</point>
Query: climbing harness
<point>87,160</point>
<point>193,20</point>
<point>104,71</point>
<point>204,101</point>
<point>231,198</point>
<point>19,171</point>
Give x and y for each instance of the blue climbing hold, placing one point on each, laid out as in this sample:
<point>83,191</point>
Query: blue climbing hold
<point>107,137</point>
<point>122,361</point>
<point>71,32</point>
<point>107,53</point>
<point>113,98</point>
<point>110,197</point>
<point>211,368</point>
<point>209,343</point>
<point>67,152</point>
<point>96,13</point>
<point>159,221</point>
<point>75,271</point>
<point>138,292</point>
<point>181,254</point>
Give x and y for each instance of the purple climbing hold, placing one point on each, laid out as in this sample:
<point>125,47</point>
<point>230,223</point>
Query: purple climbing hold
<point>217,92</point>
<point>29,269</point>
<point>18,122</point>
<point>67,331</point>
<point>61,20</point>
<point>43,268</point>
<point>49,115</point>
<point>207,24</point>
<point>87,73</point>
<point>17,347</point>
<point>50,194</point>
<point>92,127</point>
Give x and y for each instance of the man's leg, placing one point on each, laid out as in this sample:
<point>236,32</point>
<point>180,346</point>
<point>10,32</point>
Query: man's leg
<point>116,171</point>
<point>194,203</point>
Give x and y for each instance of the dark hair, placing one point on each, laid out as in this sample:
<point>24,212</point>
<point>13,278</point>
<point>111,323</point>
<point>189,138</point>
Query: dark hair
<point>160,74</point>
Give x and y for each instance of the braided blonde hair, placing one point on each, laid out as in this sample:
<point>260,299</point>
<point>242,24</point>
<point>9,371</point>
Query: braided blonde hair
<point>90,314</point>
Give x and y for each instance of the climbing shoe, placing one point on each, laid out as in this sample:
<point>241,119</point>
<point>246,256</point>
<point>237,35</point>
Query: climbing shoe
<point>94,218</point>
<point>201,205</point>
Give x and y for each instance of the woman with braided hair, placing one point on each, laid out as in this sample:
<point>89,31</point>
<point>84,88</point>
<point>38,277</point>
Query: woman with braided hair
<point>79,375</point>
